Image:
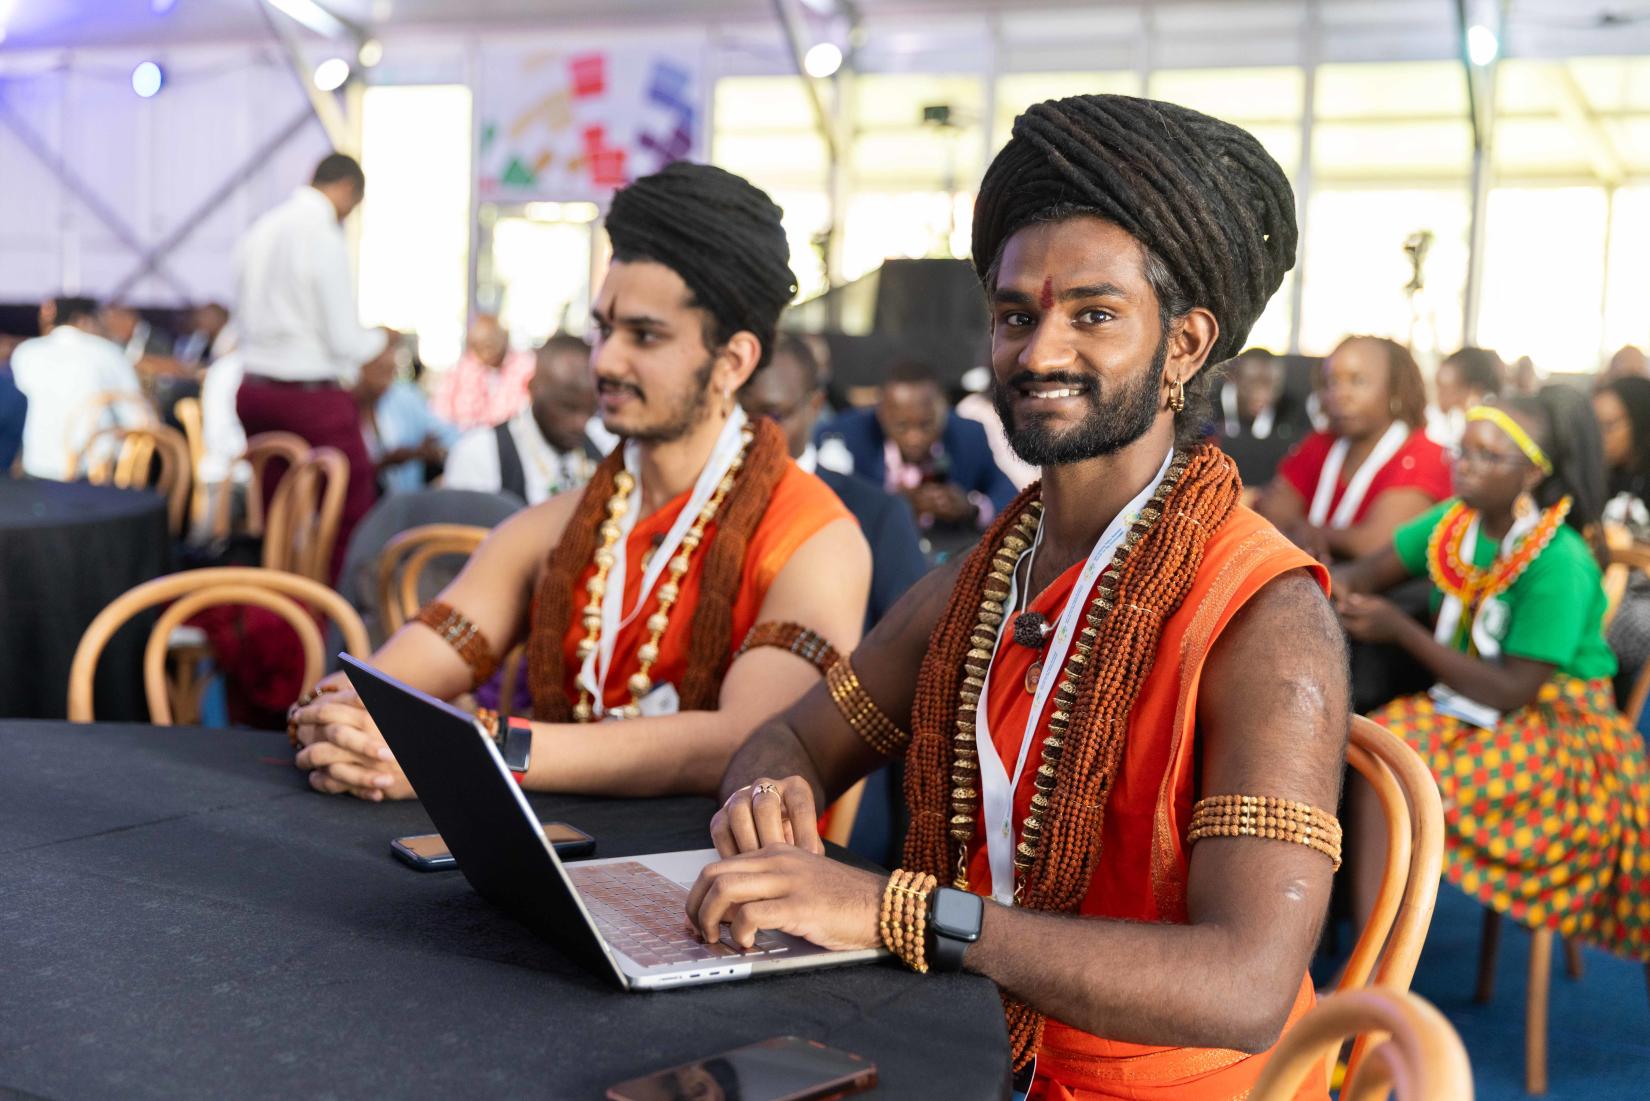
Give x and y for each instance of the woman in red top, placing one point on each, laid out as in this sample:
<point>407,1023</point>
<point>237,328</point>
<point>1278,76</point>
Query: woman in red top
<point>1341,494</point>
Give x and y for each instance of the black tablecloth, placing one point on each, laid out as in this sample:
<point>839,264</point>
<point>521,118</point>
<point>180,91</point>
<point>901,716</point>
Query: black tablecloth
<point>66,551</point>
<point>180,916</point>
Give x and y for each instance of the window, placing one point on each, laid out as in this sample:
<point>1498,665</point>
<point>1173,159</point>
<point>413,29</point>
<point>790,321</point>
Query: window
<point>414,272</point>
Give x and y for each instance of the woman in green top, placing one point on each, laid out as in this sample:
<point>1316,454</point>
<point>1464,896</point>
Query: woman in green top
<point>1545,786</point>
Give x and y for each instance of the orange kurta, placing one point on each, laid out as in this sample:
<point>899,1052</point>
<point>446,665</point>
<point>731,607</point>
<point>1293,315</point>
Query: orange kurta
<point>1141,875</point>
<point>801,505</point>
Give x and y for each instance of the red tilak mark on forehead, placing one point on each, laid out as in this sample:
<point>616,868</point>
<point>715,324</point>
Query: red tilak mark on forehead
<point>1047,299</point>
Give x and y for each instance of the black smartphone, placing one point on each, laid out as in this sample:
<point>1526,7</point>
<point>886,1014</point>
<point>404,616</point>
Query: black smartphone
<point>785,1068</point>
<point>428,852</point>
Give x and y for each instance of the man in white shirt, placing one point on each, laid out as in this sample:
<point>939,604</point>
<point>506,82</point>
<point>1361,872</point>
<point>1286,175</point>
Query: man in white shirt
<point>301,343</point>
<point>545,448</point>
<point>78,382</point>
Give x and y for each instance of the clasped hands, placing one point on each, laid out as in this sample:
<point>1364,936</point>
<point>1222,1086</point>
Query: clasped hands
<point>774,874</point>
<point>341,748</point>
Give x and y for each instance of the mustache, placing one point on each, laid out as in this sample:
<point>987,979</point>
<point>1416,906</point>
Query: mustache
<point>1021,379</point>
<point>605,385</point>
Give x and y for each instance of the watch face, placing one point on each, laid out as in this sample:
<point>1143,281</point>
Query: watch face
<point>958,913</point>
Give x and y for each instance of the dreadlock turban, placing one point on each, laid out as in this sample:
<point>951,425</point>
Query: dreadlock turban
<point>720,234</point>
<point>1200,193</point>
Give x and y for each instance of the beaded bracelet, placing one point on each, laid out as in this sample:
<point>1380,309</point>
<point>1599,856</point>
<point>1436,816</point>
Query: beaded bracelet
<point>804,642</point>
<point>1267,817</point>
<point>903,920</point>
<point>862,713</point>
<point>459,632</point>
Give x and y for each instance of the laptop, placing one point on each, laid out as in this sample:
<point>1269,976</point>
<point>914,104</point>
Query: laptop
<point>620,916</point>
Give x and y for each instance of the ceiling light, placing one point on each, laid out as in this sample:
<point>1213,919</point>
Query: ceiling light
<point>822,60</point>
<point>1482,45</point>
<point>5,14</point>
<point>311,15</point>
<point>370,53</point>
<point>161,7</point>
<point>331,74</point>
<point>147,79</point>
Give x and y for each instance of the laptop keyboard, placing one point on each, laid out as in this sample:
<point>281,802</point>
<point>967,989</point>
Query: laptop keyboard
<point>641,913</point>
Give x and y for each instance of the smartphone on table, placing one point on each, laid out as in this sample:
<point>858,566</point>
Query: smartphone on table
<point>428,852</point>
<point>785,1068</point>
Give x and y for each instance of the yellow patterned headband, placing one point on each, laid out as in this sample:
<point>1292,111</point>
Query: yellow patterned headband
<point>1513,429</point>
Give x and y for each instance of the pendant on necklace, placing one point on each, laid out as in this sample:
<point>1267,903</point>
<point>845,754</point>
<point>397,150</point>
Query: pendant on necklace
<point>1030,628</point>
<point>1033,675</point>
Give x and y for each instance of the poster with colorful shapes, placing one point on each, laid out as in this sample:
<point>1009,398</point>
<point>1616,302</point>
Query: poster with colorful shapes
<point>564,124</point>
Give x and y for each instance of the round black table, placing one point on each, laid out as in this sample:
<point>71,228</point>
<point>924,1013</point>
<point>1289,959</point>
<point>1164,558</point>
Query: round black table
<point>181,916</point>
<point>66,550</point>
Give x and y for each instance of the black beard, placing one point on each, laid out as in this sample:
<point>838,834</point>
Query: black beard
<point>1109,426</point>
<point>687,418</point>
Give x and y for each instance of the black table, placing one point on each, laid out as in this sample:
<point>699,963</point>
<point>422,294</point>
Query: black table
<point>66,550</point>
<point>180,916</point>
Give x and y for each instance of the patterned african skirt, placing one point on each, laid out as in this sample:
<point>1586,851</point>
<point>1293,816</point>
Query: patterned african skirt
<point>1547,817</point>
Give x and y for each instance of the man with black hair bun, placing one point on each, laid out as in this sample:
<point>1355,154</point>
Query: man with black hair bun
<point>699,582</point>
<point>1085,703</point>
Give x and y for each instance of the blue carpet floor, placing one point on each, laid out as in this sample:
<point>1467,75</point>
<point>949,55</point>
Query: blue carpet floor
<point>1598,1031</point>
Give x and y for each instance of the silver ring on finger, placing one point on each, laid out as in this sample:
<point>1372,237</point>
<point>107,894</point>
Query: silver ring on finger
<point>765,789</point>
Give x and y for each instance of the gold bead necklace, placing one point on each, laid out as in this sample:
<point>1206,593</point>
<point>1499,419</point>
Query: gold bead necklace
<point>611,531</point>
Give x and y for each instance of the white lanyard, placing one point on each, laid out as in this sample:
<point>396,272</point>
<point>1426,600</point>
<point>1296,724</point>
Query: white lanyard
<point>997,789</point>
<point>1447,700</point>
<point>1385,448</point>
<point>1260,428</point>
<point>593,674</point>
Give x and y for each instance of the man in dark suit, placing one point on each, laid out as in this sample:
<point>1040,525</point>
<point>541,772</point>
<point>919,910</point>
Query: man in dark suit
<point>789,390</point>
<point>913,444</point>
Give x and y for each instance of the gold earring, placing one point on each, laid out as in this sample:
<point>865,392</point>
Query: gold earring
<point>1524,505</point>
<point>1177,396</point>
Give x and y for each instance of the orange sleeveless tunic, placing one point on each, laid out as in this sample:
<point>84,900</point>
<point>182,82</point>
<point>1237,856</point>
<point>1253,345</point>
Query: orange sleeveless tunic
<point>1141,874</point>
<point>801,505</point>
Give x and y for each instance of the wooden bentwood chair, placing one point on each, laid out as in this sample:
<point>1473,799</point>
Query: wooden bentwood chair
<point>305,514</point>
<point>295,599</point>
<point>1411,1049</point>
<point>127,458</point>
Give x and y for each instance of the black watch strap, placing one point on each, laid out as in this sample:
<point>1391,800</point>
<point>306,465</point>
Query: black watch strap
<point>517,749</point>
<point>954,919</point>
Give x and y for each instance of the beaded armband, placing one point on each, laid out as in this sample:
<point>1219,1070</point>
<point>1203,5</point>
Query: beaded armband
<point>903,921</point>
<point>804,642</point>
<point>462,635</point>
<point>856,705</point>
<point>1266,817</point>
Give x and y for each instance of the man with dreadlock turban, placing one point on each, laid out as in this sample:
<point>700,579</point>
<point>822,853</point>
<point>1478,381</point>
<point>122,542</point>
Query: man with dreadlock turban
<point>699,582</point>
<point>1108,753</point>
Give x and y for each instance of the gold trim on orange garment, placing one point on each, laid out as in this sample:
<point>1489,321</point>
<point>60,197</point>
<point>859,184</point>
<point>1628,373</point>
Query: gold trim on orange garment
<point>1168,894</point>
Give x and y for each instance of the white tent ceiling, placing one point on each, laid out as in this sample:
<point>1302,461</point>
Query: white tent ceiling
<point>70,23</point>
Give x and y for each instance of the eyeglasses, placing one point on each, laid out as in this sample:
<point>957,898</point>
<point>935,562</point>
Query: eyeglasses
<point>1490,459</point>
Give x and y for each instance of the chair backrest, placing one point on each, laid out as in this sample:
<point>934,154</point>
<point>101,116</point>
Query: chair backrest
<point>402,562</point>
<point>130,464</point>
<point>304,517</point>
<point>287,448</point>
<point>287,595</point>
<point>188,413</point>
<point>94,414</point>
<point>1413,1049</point>
<point>1390,948</point>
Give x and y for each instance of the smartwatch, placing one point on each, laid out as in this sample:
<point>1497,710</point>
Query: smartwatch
<point>517,746</point>
<point>954,919</point>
